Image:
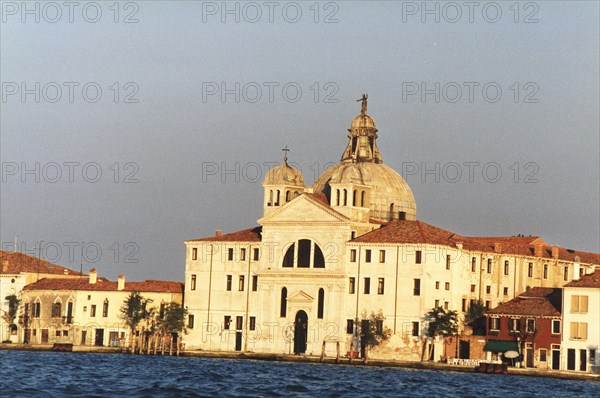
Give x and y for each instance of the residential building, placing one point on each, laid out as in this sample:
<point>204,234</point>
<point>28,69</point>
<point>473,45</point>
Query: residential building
<point>86,310</point>
<point>581,323</point>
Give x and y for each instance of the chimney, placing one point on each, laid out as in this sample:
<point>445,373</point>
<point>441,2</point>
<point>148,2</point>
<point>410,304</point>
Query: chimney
<point>555,252</point>
<point>5,266</point>
<point>539,249</point>
<point>218,233</point>
<point>497,247</point>
<point>121,282</point>
<point>576,269</point>
<point>93,276</point>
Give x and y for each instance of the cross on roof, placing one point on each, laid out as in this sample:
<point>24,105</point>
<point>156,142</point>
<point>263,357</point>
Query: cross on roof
<point>286,150</point>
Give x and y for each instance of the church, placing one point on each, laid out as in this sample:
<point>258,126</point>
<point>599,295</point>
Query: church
<point>324,257</point>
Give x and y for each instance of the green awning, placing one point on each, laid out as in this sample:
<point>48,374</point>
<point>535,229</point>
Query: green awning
<point>501,346</point>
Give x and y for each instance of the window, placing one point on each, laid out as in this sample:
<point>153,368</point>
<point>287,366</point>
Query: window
<point>252,323</point>
<point>488,304</point>
<point>446,304</point>
<point>415,329</point>
<point>56,310</point>
<point>226,322</point>
<point>307,253</point>
<point>228,286</point>
<point>464,305</point>
<point>367,286</point>
<point>494,324</point>
<point>545,271</point>
<point>351,285</point>
<point>239,322</point>
<point>418,256</point>
<point>506,291</point>
<point>578,331</point>
<point>353,255</point>
<point>379,326</point>
<point>472,288</point>
<point>566,273</point>
<point>530,328</point>
<point>380,286</point>
<point>93,310</point>
<point>416,287</point>
<point>283,303</point>
<point>304,253</point>
<point>514,324</point>
<point>242,254</point>
<point>193,282</point>
<point>349,326</point>
<point>530,270</point>
<point>321,304</point>
<point>592,356</point>
<point>161,312</point>
<point>353,235</point>
<point>436,304</point>
<point>105,308</point>
<point>489,266</point>
<point>367,256</point>
<point>254,283</point>
<point>241,283</point>
<point>447,286</point>
<point>473,264</point>
<point>555,326</point>
<point>230,254</point>
<point>382,256</point>
<point>57,333</point>
<point>447,261</point>
<point>194,253</point>
<point>256,254</point>
<point>437,285</point>
<point>288,259</point>
<point>488,289</point>
<point>543,355</point>
<point>579,304</point>
<point>190,321</point>
<point>506,267</point>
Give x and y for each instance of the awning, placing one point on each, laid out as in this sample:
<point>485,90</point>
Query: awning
<point>500,346</point>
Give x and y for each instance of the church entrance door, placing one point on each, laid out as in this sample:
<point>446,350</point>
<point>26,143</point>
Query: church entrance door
<point>300,332</point>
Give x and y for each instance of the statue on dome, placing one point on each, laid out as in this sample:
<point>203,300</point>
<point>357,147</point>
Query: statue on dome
<point>363,108</point>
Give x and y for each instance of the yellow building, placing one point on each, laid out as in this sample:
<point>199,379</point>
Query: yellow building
<point>324,257</point>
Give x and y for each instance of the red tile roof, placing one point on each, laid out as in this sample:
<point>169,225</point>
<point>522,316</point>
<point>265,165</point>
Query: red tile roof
<point>320,196</point>
<point>537,301</point>
<point>105,285</point>
<point>15,262</point>
<point>419,232</point>
<point>245,235</point>
<point>591,280</point>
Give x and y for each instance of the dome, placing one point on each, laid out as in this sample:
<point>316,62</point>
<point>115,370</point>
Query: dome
<point>389,192</point>
<point>284,174</point>
<point>363,121</point>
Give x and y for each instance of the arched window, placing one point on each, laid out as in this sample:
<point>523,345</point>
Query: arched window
<point>321,303</point>
<point>278,197</point>
<point>296,194</point>
<point>345,197</point>
<point>337,197</point>
<point>362,199</point>
<point>392,210</point>
<point>354,197</point>
<point>319,260</point>
<point>287,196</point>
<point>283,306</point>
<point>288,259</point>
<point>270,203</point>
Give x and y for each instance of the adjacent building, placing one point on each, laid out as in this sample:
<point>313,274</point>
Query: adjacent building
<point>324,257</point>
<point>86,310</point>
<point>529,325</point>
<point>16,271</point>
<point>581,324</point>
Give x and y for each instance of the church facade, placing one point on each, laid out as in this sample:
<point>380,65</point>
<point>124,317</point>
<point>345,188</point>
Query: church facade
<point>325,257</point>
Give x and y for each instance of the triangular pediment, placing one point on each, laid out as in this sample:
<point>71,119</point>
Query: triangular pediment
<point>300,297</point>
<point>304,209</point>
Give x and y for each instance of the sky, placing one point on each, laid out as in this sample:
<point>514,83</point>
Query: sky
<point>127,128</point>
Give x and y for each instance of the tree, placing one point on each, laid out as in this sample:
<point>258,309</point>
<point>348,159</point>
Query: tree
<point>171,322</point>
<point>372,331</point>
<point>441,323</point>
<point>133,311</point>
<point>475,317</point>
<point>10,315</point>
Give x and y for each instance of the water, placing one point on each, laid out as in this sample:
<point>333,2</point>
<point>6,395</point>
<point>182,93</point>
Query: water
<point>50,374</point>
